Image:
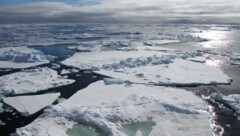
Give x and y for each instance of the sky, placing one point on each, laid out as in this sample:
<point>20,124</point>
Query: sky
<point>120,11</point>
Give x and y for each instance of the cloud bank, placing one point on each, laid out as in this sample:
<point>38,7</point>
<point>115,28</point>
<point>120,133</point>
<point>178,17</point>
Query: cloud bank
<point>126,11</point>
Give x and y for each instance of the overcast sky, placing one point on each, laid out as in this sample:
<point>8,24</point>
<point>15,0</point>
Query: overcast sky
<point>120,11</point>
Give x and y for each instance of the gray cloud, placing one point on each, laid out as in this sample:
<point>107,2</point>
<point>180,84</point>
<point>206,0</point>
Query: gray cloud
<point>123,11</point>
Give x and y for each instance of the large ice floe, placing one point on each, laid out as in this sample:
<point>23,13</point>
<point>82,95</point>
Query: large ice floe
<point>28,105</point>
<point>179,73</point>
<point>21,57</point>
<point>32,80</point>
<point>118,59</point>
<point>231,100</point>
<point>151,65</point>
<point>109,107</point>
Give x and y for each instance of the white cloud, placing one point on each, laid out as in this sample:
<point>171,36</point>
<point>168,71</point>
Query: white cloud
<point>179,11</point>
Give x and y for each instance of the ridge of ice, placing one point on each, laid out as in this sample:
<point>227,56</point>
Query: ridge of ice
<point>118,59</point>
<point>179,72</point>
<point>21,57</point>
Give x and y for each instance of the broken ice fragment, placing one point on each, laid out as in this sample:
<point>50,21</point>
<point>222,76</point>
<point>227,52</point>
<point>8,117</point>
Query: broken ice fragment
<point>28,105</point>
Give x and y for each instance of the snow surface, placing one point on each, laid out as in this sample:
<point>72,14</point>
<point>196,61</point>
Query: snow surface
<point>150,65</point>
<point>156,48</point>
<point>21,57</point>
<point>180,72</point>
<point>232,100</point>
<point>201,59</point>
<point>32,80</point>
<point>160,42</point>
<point>28,105</point>
<point>115,59</point>
<point>87,47</point>
<point>170,108</point>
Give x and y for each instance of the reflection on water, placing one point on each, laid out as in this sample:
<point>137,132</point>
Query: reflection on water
<point>217,39</point>
<point>80,130</point>
<point>138,128</point>
<point>214,63</point>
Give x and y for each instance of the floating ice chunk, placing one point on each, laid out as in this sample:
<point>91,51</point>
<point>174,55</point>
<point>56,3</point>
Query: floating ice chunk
<point>180,72</point>
<point>126,49</point>
<point>30,81</point>
<point>115,59</point>
<point>74,70</point>
<point>232,100</point>
<point>109,81</point>
<point>28,105</point>
<point>86,48</point>
<point>216,96</point>
<point>116,104</point>
<point>116,43</point>
<point>1,107</point>
<point>190,38</point>
<point>21,57</point>
<point>160,42</point>
<point>65,71</point>
<point>235,63</point>
<point>201,59</point>
<point>55,66</point>
<point>157,48</point>
<point>77,36</point>
<point>2,123</point>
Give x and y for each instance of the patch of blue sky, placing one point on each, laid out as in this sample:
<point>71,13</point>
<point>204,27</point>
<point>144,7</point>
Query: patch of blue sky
<point>6,3</point>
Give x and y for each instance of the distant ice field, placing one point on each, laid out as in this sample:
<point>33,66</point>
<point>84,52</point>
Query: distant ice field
<point>148,74</point>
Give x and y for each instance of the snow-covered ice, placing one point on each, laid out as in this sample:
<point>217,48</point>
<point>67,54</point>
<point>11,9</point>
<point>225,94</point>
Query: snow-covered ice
<point>231,100</point>
<point>22,57</point>
<point>180,72</point>
<point>87,47</point>
<point>160,42</point>
<point>65,71</point>
<point>110,81</point>
<point>97,60</point>
<point>170,108</point>
<point>151,65</point>
<point>32,80</point>
<point>157,48</point>
<point>28,105</point>
<point>200,59</point>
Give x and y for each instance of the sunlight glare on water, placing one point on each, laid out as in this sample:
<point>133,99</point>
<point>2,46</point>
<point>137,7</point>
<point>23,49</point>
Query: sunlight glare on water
<point>217,39</point>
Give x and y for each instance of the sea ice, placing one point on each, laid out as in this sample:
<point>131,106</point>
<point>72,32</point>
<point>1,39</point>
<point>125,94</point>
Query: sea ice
<point>180,72</point>
<point>87,47</point>
<point>200,59</point>
<point>170,108</point>
<point>32,80</point>
<point>110,81</point>
<point>160,42</point>
<point>118,59</point>
<point>232,100</point>
<point>28,105</point>
<point>65,71</point>
<point>21,57</point>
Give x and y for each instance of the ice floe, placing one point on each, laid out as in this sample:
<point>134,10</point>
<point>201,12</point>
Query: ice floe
<point>201,59</point>
<point>160,42</point>
<point>151,64</point>
<point>32,80</point>
<point>28,105</point>
<point>179,72</point>
<point>21,57</point>
<point>115,105</point>
<point>118,59</point>
<point>231,100</point>
<point>87,47</point>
